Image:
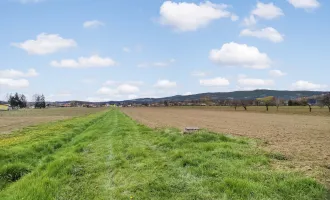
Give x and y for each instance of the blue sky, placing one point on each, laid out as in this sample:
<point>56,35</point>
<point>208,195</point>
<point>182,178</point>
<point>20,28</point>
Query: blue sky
<point>113,50</point>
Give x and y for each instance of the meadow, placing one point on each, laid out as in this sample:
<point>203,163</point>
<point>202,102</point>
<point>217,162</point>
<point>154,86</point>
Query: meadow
<point>107,155</point>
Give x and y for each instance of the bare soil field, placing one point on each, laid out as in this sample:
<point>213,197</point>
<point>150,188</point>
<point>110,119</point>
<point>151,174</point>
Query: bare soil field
<point>16,119</point>
<point>304,140</point>
<point>290,110</point>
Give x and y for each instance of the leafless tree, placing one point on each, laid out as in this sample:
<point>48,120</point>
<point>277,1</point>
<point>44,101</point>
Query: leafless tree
<point>246,103</point>
<point>267,101</point>
<point>326,100</point>
<point>235,104</point>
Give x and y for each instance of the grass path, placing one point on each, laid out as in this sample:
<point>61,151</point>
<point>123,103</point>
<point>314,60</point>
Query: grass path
<point>109,156</point>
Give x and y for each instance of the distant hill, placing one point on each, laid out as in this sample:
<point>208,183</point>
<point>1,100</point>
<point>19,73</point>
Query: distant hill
<point>287,95</point>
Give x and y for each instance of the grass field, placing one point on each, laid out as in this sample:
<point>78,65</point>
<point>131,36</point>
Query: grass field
<point>16,119</point>
<point>107,155</point>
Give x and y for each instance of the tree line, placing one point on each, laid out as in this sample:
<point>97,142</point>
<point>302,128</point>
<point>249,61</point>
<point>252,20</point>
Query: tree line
<point>322,101</point>
<point>20,101</point>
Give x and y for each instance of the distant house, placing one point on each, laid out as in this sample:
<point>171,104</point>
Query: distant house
<point>5,107</point>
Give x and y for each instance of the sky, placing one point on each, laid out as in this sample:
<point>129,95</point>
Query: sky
<point>100,50</point>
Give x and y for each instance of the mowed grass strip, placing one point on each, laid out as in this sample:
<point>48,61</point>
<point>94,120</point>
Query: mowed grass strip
<point>117,158</point>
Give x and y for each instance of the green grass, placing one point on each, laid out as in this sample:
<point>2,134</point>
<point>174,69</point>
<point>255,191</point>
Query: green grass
<point>109,156</point>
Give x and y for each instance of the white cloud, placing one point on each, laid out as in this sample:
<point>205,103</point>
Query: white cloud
<point>234,17</point>
<point>126,49</point>
<point>233,54</point>
<point>118,90</point>
<point>14,84</point>
<point>85,62</point>
<point>252,82</point>
<point>187,94</point>
<point>306,85</point>
<point>106,91</point>
<point>114,83</point>
<point>93,24</point>
<point>127,89</point>
<point>268,33</point>
<point>97,99</point>
<point>263,11</point>
<point>190,16</point>
<point>277,73</point>
<point>165,84</point>
<point>267,11</point>
<point>132,96</point>
<point>250,21</point>
<point>199,73</point>
<point>157,64</point>
<point>306,4</point>
<point>214,82</point>
<point>11,73</point>
<point>46,44</point>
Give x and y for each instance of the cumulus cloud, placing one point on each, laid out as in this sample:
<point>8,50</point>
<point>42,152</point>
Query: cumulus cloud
<point>11,73</point>
<point>305,4</point>
<point>93,24</point>
<point>214,82</point>
<point>116,90</point>
<point>276,73</point>
<point>14,84</point>
<point>85,62</point>
<point>253,82</point>
<point>190,16</point>
<point>267,11</point>
<point>242,55</point>
<point>119,90</point>
<point>268,33</point>
<point>46,44</point>
<point>165,84</point>
<point>306,85</point>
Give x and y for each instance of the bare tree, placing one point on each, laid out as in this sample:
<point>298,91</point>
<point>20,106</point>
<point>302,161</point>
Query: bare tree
<point>235,104</point>
<point>278,103</point>
<point>267,101</point>
<point>246,103</point>
<point>326,100</point>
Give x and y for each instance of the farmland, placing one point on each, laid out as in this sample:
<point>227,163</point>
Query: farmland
<point>16,119</point>
<point>107,155</point>
<point>289,110</point>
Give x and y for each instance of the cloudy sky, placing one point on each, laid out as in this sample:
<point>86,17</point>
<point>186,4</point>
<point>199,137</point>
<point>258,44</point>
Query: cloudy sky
<point>122,49</point>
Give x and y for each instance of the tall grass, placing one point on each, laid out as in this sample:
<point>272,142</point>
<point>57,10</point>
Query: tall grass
<point>109,156</point>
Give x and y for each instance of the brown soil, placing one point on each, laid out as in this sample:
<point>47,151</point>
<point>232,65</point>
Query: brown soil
<point>305,140</point>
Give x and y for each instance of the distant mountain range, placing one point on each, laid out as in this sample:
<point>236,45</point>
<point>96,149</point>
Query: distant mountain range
<point>287,95</point>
